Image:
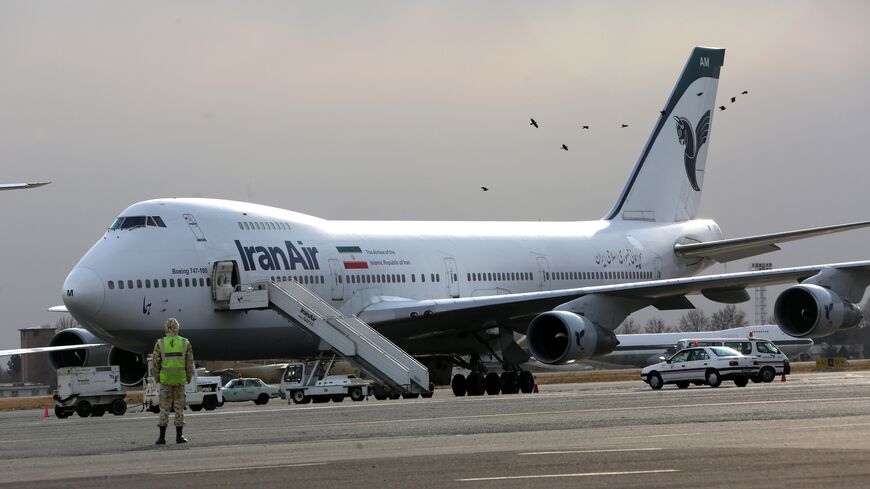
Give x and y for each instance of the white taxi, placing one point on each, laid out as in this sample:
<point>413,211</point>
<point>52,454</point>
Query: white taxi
<point>702,365</point>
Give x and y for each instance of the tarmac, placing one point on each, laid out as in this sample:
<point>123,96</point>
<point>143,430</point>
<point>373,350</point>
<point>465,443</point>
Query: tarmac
<point>811,431</point>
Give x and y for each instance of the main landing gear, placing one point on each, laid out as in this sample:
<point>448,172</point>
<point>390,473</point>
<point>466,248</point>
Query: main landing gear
<point>476,383</point>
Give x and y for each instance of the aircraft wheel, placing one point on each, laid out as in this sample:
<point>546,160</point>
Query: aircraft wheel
<point>527,382</point>
<point>510,384</point>
<point>459,385</point>
<point>476,385</point>
<point>493,385</point>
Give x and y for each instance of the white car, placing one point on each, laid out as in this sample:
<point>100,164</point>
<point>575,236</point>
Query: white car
<point>771,360</point>
<point>702,365</point>
<point>256,390</point>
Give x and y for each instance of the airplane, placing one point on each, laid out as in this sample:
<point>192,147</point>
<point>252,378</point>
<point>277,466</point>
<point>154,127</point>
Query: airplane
<point>640,350</point>
<point>20,186</point>
<point>440,290</point>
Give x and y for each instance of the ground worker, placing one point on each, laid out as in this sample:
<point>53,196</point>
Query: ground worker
<point>172,364</point>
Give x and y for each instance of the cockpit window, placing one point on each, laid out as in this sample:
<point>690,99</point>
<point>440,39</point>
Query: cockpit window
<point>130,222</point>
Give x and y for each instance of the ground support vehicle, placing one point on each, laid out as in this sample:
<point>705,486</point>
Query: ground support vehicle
<point>200,393</point>
<point>249,389</point>
<point>89,391</point>
<point>306,382</point>
<point>702,365</point>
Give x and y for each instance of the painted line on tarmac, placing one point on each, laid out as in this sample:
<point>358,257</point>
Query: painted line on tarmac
<point>602,450</point>
<point>232,469</point>
<point>581,474</point>
<point>580,411</point>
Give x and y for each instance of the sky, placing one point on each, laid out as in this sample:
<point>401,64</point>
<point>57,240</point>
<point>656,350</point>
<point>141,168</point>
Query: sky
<point>402,110</point>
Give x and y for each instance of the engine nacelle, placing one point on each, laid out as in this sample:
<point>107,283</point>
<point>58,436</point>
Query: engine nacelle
<point>86,357</point>
<point>811,311</point>
<point>133,366</point>
<point>558,337</point>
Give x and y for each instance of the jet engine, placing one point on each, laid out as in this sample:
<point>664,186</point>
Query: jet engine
<point>133,366</point>
<point>86,357</point>
<point>558,337</point>
<point>811,311</point>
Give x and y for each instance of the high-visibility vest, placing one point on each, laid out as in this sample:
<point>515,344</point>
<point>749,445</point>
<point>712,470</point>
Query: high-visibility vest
<point>173,368</point>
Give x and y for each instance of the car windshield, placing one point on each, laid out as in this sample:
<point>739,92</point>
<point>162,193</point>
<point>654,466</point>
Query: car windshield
<point>722,351</point>
<point>765,347</point>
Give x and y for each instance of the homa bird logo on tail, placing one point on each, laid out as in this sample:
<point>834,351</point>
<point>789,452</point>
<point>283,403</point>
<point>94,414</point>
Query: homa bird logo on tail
<point>692,140</point>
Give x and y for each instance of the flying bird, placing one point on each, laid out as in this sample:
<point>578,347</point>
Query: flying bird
<point>733,99</point>
<point>533,123</point>
<point>744,92</point>
<point>721,107</point>
<point>585,127</point>
<point>624,126</point>
<point>565,147</point>
<point>485,189</point>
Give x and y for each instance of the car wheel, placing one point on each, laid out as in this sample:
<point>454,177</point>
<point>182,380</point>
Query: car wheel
<point>682,385</point>
<point>767,374</point>
<point>298,396</point>
<point>196,407</point>
<point>83,409</point>
<point>458,384</point>
<point>61,413</point>
<point>741,381</point>
<point>98,411</point>
<point>356,394</point>
<point>262,399</point>
<point>755,380</point>
<point>713,378</point>
<point>655,381</point>
<point>154,409</point>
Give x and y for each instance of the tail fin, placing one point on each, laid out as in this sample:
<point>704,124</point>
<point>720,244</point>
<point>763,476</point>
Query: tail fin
<point>666,182</point>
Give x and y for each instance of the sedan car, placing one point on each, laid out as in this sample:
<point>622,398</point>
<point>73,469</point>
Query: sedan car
<point>702,365</point>
<point>256,390</point>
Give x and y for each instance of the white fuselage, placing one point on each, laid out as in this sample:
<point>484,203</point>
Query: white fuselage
<point>133,279</point>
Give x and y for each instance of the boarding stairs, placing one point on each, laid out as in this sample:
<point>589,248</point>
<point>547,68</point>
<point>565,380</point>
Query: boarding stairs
<point>346,335</point>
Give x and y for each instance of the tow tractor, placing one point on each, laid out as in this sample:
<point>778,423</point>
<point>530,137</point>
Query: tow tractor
<point>89,391</point>
<point>306,382</point>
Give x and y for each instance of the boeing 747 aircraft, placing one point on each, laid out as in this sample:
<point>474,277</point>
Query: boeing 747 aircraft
<point>440,290</point>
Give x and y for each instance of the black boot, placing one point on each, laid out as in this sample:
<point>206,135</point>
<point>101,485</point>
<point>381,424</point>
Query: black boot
<point>179,438</point>
<point>162,439</point>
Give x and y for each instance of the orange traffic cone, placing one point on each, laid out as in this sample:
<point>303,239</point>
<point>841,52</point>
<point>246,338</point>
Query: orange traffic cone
<point>535,389</point>
<point>45,412</point>
<point>783,378</point>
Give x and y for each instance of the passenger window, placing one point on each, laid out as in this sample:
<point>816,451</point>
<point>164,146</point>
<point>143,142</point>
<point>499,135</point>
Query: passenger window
<point>156,283</point>
<point>187,282</point>
<point>121,284</point>
<point>172,282</point>
<point>201,282</point>
<point>111,285</point>
<point>129,284</point>
<point>422,277</point>
<point>147,283</point>
<point>163,282</point>
<point>240,226</point>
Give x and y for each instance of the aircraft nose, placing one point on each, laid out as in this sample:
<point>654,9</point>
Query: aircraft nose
<point>83,292</point>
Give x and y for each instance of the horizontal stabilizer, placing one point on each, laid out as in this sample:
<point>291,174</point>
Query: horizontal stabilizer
<point>725,250</point>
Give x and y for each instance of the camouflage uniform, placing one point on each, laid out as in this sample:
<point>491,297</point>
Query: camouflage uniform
<point>172,396</point>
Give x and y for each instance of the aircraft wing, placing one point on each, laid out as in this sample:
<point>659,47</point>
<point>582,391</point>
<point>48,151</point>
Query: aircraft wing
<point>17,186</point>
<point>47,349</point>
<point>725,250</point>
<point>410,319</point>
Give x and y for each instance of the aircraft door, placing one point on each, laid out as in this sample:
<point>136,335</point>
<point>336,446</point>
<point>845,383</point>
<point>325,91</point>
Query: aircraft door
<point>452,277</point>
<point>543,273</point>
<point>337,284</point>
<point>224,278</point>
<point>194,227</point>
